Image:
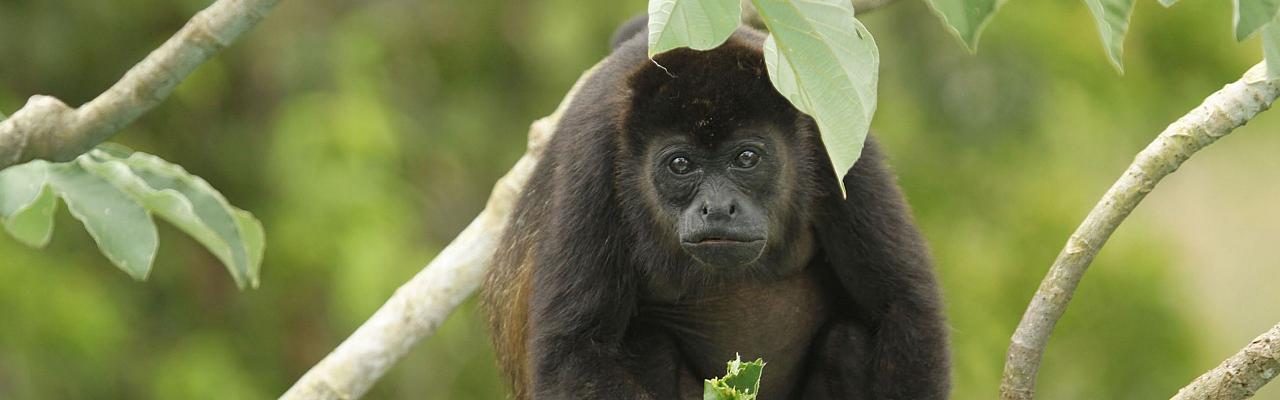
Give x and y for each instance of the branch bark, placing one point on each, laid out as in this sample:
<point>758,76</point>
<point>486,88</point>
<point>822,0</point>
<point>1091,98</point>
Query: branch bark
<point>1223,111</point>
<point>46,128</point>
<point>1241,375</point>
<point>419,306</point>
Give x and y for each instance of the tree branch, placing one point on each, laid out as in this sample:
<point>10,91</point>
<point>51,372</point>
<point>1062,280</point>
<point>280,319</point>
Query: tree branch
<point>419,306</point>
<point>1228,108</point>
<point>1241,375</point>
<point>47,129</point>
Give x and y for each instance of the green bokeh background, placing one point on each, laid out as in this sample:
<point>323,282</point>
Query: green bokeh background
<point>365,135</point>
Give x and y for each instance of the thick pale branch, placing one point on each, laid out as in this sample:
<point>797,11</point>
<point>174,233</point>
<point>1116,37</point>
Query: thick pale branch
<point>47,129</point>
<point>1241,375</point>
<point>418,307</point>
<point>1229,108</point>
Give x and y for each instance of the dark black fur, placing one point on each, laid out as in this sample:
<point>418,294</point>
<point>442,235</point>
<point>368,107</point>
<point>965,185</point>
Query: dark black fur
<point>590,296</point>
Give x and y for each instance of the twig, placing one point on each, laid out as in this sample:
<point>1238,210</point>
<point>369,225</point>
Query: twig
<point>1241,375</point>
<point>419,306</point>
<point>47,129</point>
<point>1229,108</point>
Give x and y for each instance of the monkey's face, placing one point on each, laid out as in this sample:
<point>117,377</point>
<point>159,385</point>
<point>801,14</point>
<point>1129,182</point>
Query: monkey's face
<point>717,194</point>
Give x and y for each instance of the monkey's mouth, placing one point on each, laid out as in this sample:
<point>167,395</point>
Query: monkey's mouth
<point>723,240</point>
<point>718,236</point>
<point>722,250</point>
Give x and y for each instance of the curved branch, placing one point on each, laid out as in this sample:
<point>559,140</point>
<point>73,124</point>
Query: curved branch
<point>47,129</point>
<point>1223,111</point>
<point>1241,375</point>
<point>419,306</point>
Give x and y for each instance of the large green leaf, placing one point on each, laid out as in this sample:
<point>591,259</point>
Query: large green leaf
<point>696,24</point>
<point>1112,17</point>
<point>1271,48</point>
<point>826,63</point>
<point>1251,15</point>
<point>236,229</point>
<point>966,18</point>
<point>122,228</point>
<point>187,202</point>
<point>114,191</point>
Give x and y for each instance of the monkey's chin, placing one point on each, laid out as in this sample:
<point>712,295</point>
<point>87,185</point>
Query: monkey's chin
<point>725,253</point>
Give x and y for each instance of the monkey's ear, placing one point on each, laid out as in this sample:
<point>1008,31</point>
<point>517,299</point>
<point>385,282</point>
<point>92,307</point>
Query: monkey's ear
<point>636,25</point>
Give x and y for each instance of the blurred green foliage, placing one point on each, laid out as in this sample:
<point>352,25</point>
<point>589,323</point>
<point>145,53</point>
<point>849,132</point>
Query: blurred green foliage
<point>365,135</point>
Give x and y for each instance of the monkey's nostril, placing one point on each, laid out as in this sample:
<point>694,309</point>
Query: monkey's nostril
<point>733,209</point>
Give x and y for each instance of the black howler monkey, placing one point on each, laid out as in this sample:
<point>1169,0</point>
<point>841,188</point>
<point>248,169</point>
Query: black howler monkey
<point>683,212</point>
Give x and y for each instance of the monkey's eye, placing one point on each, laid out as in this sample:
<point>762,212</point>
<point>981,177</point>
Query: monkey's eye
<point>680,165</point>
<point>747,159</point>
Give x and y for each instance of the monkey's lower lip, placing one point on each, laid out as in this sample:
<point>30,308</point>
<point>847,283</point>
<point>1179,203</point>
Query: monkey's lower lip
<point>721,241</point>
<point>724,252</point>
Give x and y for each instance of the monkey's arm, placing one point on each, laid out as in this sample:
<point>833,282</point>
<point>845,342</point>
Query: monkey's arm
<point>881,260</point>
<point>579,319</point>
<point>583,293</point>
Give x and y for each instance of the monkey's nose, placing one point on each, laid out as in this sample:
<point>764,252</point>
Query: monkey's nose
<point>719,211</point>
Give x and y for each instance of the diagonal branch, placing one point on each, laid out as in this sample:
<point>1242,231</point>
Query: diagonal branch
<point>1241,375</point>
<point>47,129</point>
<point>419,306</point>
<point>1223,111</point>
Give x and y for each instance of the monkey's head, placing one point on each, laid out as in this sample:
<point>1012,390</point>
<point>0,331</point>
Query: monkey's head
<point>725,161</point>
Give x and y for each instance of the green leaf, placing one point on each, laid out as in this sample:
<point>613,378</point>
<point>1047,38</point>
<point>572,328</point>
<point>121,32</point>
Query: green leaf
<point>1112,17</point>
<point>745,377</point>
<point>1251,15</point>
<point>114,192</point>
<point>966,18</point>
<point>113,150</point>
<point>187,202</point>
<point>20,185</point>
<point>230,241</point>
<point>254,242</point>
<point>825,62</point>
<point>124,231</point>
<point>33,226</point>
<point>27,203</point>
<point>1271,48</point>
<point>697,24</point>
<point>741,381</point>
